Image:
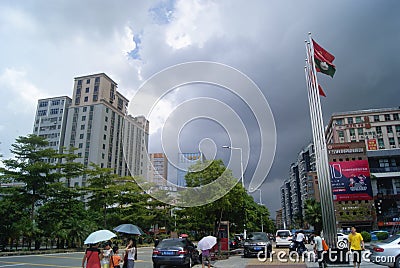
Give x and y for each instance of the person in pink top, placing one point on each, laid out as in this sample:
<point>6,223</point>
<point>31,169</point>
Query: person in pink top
<point>92,257</point>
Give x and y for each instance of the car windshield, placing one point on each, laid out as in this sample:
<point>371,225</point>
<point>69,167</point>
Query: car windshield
<point>283,233</point>
<point>171,243</point>
<point>391,239</point>
<point>258,236</point>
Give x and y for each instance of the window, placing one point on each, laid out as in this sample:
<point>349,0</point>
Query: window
<point>104,146</point>
<point>106,119</point>
<point>96,89</point>
<point>87,90</point>
<point>54,111</point>
<point>360,131</point>
<point>42,112</point>
<point>87,81</point>
<point>105,128</point>
<point>97,80</point>
<point>387,117</point>
<point>77,100</point>
<point>378,130</point>
<point>81,136</point>
<point>43,104</point>
<point>79,82</point>
<point>341,134</point>
<point>79,154</point>
<point>352,132</point>
<point>395,116</point>
<point>392,142</point>
<point>86,99</point>
<point>95,97</point>
<point>397,128</point>
<point>82,127</point>
<point>104,136</point>
<point>106,110</point>
<point>339,121</point>
<point>350,120</point>
<point>389,129</point>
<point>83,117</point>
<point>55,102</point>
<point>84,109</point>
<point>358,119</point>
<point>376,118</point>
<point>381,143</point>
<point>383,163</point>
<point>80,145</point>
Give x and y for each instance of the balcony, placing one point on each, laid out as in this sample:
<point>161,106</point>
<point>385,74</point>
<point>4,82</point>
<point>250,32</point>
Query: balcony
<point>385,169</point>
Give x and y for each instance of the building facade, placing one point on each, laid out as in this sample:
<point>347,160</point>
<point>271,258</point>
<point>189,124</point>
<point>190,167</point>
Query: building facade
<point>158,169</point>
<point>103,133</point>
<point>379,130</point>
<point>51,121</point>
<point>179,167</point>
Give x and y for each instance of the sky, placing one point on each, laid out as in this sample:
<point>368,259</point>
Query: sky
<point>45,44</point>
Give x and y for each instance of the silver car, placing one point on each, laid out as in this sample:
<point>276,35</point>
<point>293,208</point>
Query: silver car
<point>387,252</point>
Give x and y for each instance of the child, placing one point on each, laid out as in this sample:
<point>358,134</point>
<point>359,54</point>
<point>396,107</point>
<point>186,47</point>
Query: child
<point>115,258</point>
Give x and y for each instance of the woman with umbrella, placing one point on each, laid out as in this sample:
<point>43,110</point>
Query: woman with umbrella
<point>205,245</point>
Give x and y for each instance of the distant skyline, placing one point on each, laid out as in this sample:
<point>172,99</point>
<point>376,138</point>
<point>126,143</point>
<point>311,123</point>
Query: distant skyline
<point>45,44</point>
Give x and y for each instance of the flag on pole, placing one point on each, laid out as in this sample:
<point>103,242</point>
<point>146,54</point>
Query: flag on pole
<point>321,91</point>
<point>323,60</point>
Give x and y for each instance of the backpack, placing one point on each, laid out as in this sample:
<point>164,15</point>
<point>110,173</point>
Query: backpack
<point>324,245</point>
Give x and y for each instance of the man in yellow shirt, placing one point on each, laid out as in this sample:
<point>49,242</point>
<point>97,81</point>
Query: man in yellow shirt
<point>356,245</point>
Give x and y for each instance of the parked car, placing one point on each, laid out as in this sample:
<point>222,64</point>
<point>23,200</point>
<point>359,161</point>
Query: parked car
<point>386,252</point>
<point>256,242</point>
<point>343,240</point>
<point>283,238</point>
<point>374,234</point>
<point>175,251</point>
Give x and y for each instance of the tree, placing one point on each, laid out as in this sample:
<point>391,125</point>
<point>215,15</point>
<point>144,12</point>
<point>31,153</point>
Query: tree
<point>313,214</point>
<point>31,166</point>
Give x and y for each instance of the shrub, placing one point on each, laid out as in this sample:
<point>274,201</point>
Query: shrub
<point>382,235</point>
<point>366,236</point>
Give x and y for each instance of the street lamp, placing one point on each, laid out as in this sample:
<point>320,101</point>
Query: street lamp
<point>241,177</point>
<point>241,160</point>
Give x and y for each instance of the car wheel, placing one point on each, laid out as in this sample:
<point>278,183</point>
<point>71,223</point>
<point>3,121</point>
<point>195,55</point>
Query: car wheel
<point>190,264</point>
<point>341,244</point>
<point>397,262</point>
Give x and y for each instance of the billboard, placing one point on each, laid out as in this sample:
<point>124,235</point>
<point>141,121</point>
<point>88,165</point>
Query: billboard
<point>351,180</point>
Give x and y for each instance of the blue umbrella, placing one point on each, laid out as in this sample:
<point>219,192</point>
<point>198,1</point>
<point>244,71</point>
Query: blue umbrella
<point>128,228</point>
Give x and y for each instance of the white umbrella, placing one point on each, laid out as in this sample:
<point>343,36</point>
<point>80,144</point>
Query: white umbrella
<point>207,242</point>
<point>98,236</point>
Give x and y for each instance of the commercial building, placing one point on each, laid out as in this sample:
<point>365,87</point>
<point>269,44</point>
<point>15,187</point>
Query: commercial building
<point>379,130</point>
<point>178,167</point>
<point>158,169</point>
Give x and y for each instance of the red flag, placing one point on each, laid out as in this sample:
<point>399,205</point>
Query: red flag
<point>322,53</point>
<point>321,91</point>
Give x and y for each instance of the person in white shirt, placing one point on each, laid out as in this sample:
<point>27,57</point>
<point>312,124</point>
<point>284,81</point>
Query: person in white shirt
<point>319,249</point>
<point>132,253</point>
<point>300,238</point>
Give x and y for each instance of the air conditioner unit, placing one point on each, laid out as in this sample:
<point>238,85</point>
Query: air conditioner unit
<point>353,137</point>
<point>393,146</point>
<point>341,139</point>
<point>379,135</point>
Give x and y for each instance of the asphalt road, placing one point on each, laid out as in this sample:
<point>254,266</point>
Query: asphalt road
<point>74,260</point>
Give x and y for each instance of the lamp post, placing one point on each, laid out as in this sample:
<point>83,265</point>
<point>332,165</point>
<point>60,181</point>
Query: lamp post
<point>241,177</point>
<point>241,160</point>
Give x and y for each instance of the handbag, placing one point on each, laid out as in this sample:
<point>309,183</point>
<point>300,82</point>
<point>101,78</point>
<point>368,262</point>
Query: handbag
<point>325,245</point>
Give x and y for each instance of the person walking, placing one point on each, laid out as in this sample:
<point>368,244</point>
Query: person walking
<point>300,238</point>
<point>131,251</point>
<point>92,257</point>
<point>356,245</point>
<point>205,257</point>
<point>319,249</point>
<point>107,252</point>
<point>115,260</point>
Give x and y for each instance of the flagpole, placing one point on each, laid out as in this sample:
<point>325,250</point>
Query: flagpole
<point>324,180</point>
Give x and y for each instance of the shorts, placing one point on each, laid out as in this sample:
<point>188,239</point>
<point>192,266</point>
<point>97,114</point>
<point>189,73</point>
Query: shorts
<point>205,258</point>
<point>356,255</point>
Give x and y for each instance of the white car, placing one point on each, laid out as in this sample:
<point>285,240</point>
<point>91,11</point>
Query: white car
<point>283,238</point>
<point>343,240</point>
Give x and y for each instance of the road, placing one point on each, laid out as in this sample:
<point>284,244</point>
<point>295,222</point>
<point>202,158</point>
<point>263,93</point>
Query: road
<point>74,260</point>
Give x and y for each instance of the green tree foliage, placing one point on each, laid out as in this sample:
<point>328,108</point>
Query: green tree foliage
<point>366,236</point>
<point>313,214</point>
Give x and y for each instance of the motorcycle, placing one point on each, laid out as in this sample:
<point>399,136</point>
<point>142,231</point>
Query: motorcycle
<point>300,248</point>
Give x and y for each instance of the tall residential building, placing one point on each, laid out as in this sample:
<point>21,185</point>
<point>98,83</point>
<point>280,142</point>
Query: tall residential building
<point>51,120</point>
<point>100,128</point>
<point>286,203</point>
<point>379,130</point>
<point>158,169</point>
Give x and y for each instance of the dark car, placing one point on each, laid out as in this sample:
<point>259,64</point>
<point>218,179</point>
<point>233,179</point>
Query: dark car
<point>257,242</point>
<point>176,252</point>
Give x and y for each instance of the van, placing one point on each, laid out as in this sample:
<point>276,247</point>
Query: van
<point>283,238</point>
